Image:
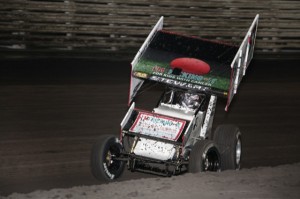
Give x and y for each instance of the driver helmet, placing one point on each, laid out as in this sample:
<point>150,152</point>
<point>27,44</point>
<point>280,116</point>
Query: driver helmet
<point>190,100</point>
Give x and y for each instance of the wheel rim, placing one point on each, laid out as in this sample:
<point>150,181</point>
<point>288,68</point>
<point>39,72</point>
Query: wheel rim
<point>211,161</point>
<point>238,151</point>
<point>109,160</point>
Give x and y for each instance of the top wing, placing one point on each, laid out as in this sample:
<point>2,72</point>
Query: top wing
<point>170,52</point>
<point>191,62</point>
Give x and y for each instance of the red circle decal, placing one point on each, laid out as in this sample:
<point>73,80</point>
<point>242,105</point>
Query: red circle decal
<point>190,65</point>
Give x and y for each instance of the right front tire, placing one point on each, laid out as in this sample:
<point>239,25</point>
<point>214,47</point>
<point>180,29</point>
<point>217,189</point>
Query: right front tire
<point>104,165</point>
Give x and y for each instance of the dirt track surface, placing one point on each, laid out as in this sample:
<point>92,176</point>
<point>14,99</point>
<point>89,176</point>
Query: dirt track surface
<point>280,182</point>
<point>51,111</point>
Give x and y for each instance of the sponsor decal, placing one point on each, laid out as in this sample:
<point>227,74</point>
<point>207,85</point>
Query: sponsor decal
<point>178,83</point>
<point>157,69</point>
<point>207,120</point>
<point>185,77</point>
<point>213,80</point>
<point>110,175</point>
<point>158,126</point>
<point>140,74</point>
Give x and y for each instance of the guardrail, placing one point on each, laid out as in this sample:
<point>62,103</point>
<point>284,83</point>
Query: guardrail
<point>119,27</point>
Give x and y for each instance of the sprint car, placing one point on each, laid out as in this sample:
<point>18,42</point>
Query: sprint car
<point>176,135</point>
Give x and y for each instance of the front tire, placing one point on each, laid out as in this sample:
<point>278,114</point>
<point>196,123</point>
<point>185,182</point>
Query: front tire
<point>204,157</point>
<point>229,140</point>
<point>104,166</point>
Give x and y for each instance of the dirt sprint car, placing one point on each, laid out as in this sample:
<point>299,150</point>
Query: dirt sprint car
<point>176,135</point>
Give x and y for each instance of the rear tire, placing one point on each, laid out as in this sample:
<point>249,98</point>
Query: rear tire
<point>104,166</point>
<point>204,157</point>
<point>229,141</point>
